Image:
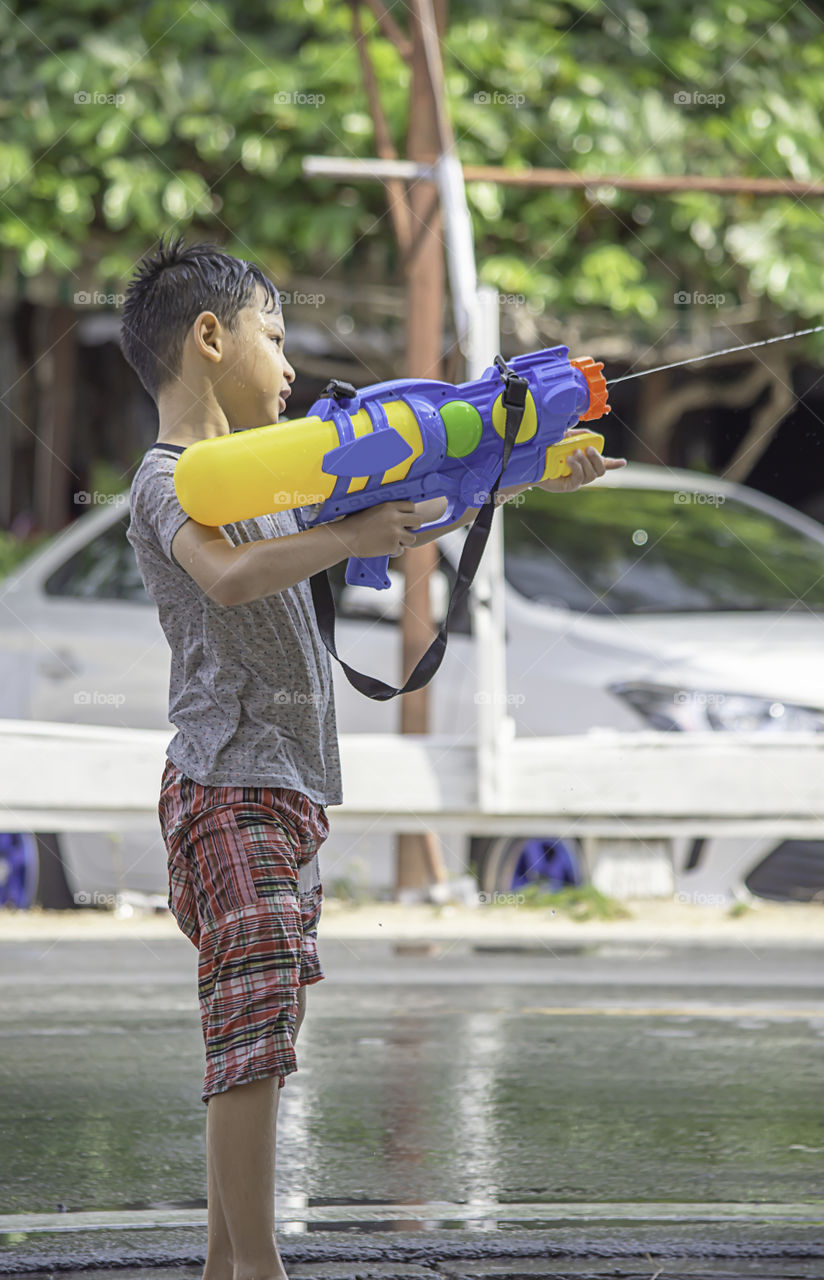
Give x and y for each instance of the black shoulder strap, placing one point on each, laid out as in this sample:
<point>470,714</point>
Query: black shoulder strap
<point>514,402</point>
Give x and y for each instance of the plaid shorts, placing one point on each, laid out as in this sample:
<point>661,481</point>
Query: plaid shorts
<point>244,886</point>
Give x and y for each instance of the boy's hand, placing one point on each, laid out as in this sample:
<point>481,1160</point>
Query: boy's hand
<point>385,530</point>
<point>583,467</point>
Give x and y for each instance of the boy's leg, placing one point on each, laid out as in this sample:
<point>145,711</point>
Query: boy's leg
<point>301,1014</point>
<point>219,1252</point>
<point>244,870</point>
<point>241,1139</point>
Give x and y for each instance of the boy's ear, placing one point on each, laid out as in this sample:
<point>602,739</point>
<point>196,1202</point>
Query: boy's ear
<point>208,336</point>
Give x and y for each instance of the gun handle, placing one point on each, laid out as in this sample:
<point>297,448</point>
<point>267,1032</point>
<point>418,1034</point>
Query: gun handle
<point>373,570</point>
<point>370,572</point>
<point>557,454</point>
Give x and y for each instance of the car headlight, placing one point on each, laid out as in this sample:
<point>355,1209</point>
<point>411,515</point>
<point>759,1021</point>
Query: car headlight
<point>691,709</point>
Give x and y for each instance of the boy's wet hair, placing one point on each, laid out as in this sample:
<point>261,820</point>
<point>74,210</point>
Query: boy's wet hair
<point>167,293</point>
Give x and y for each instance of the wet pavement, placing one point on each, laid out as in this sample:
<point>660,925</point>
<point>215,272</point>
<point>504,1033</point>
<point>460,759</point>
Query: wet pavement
<point>460,1110</point>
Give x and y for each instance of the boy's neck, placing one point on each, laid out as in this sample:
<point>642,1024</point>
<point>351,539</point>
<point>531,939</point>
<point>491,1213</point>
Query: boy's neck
<point>185,419</point>
<point>185,435</point>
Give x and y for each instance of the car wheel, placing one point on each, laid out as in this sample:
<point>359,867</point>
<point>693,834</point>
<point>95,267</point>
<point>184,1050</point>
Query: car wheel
<point>792,872</point>
<point>18,868</point>
<point>479,847</point>
<point>506,865</point>
<point>53,889</point>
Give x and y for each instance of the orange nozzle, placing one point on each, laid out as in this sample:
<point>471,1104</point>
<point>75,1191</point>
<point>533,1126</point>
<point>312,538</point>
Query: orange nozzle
<point>597,383</point>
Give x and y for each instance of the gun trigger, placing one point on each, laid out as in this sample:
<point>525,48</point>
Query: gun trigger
<point>368,455</point>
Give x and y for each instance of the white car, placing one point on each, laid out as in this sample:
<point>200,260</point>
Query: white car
<point>652,599</point>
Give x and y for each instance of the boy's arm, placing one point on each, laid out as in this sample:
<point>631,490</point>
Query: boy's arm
<point>232,575</point>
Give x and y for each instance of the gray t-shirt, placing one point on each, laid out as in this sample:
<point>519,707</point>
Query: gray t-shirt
<point>251,689</point>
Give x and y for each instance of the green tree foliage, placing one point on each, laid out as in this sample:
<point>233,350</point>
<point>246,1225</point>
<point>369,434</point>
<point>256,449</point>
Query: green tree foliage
<point>122,121</point>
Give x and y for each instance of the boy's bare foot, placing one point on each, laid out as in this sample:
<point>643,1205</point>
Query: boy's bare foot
<point>279,1274</point>
<point>273,1269</point>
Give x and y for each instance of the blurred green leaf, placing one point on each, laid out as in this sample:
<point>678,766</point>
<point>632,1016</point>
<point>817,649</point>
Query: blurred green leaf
<point>120,123</point>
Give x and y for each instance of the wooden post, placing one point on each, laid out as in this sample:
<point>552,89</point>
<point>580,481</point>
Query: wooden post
<point>417,222</point>
<point>9,417</point>
<point>55,371</point>
<point>418,856</point>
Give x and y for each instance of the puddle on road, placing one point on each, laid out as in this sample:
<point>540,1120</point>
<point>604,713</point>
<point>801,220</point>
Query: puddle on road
<point>413,1093</point>
<point>410,1099</point>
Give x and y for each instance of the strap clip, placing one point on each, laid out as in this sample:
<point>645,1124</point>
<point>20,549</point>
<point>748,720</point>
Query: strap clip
<point>515,387</point>
<point>339,390</point>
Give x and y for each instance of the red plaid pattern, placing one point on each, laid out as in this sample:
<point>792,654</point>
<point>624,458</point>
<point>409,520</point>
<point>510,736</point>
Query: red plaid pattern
<point>244,887</point>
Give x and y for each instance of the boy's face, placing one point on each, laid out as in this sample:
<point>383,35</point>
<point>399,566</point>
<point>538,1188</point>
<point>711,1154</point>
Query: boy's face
<point>256,380</point>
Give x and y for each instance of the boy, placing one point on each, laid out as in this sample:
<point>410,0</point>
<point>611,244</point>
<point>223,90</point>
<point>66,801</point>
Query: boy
<point>249,774</point>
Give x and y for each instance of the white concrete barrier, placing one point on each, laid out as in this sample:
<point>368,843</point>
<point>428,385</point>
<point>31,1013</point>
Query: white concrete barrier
<point>64,777</point>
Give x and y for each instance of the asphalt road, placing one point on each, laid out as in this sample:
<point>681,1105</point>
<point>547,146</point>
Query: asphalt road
<point>635,1100</point>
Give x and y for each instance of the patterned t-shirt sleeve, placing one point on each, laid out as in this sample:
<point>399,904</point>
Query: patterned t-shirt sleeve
<point>162,514</point>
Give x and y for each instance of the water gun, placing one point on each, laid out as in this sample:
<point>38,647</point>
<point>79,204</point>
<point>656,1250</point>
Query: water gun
<point>405,439</point>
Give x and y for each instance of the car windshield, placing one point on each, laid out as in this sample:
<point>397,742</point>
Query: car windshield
<point>624,551</point>
<point>104,569</point>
